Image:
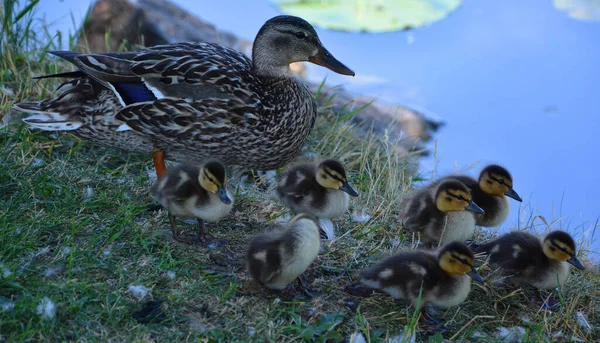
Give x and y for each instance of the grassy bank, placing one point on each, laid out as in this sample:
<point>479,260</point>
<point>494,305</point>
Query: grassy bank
<point>75,231</point>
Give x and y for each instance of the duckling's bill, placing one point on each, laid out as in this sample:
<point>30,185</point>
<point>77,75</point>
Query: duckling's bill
<point>473,207</point>
<point>346,187</point>
<point>511,193</point>
<point>576,263</point>
<point>222,193</point>
<point>474,274</point>
<point>325,58</point>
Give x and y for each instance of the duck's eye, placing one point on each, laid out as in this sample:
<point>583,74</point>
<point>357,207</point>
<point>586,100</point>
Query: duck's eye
<point>448,199</point>
<point>552,249</point>
<point>489,182</point>
<point>300,35</point>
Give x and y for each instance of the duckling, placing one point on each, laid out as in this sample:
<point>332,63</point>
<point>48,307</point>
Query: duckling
<point>440,212</point>
<point>277,258</point>
<point>490,192</point>
<point>527,260</point>
<point>190,191</point>
<point>320,190</point>
<point>445,276</point>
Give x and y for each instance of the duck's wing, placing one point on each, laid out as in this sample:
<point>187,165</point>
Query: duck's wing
<point>404,272</point>
<point>515,253</point>
<point>265,258</point>
<point>162,71</point>
<point>298,182</point>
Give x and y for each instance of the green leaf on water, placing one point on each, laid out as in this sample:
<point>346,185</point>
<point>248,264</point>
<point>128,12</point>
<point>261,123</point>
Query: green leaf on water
<point>368,15</point>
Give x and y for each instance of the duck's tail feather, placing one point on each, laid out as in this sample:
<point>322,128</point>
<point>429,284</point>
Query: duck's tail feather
<point>70,74</point>
<point>46,120</point>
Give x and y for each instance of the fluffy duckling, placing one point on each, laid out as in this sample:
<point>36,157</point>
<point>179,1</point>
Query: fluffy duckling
<point>320,190</point>
<point>277,258</point>
<point>445,276</point>
<point>529,260</point>
<point>490,192</point>
<point>440,212</point>
<point>198,192</point>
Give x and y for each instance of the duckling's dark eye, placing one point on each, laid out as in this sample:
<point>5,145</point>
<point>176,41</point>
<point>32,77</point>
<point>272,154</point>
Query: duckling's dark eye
<point>489,182</point>
<point>448,199</point>
<point>300,35</point>
<point>552,249</point>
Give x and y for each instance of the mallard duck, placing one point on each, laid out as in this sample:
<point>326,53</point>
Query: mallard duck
<point>440,212</point>
<point>196,192</point>
<point>321,190</point>
<point>445,276</point>
<point>188,102</point>
<point>490,192</point>
<point>527,260</point>
<point>277,258</point>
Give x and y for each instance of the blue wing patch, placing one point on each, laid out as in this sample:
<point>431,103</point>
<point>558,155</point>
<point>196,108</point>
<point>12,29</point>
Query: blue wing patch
<point>132,92</point>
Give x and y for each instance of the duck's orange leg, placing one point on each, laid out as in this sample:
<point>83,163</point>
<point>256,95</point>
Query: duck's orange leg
<point>158,157</point>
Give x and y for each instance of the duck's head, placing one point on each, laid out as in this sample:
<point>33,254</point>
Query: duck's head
<point>212,178</point>
<point>331,174</point>
<point>453,195</point>
<point>560,246</point>
<point>456,258</point>
<point>496,180</point>
<point>286,39</point>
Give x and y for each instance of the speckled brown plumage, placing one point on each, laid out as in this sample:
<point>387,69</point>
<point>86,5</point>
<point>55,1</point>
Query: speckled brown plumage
<point>195,101</point>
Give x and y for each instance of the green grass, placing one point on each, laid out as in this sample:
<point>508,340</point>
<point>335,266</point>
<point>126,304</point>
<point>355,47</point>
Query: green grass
<point>74,227</point>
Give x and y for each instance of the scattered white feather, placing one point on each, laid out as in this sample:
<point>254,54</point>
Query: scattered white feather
<point>4,271</point>
<point>151,175</point>
<point>46,309</point>
<point>328,228</point>
<point>6,305</point>
<point>271,176</point>
<point>583,321</point>
<point>251,331</point>
<point>89,192</point>
<point>525,318</point>
<point>402,338</point>
<point>171,275</point>
<point>138,291</point>
<point>558,335</point>
<point>38,162</point>
<point>106,252</point>
<point>42,251</point>
<point>276,301</point>
<point>514,334</point>
<point>66,251</point>
<point>51,271</point>
<point>357,337</point>
<point>360,216</point>
<point>7,91</point>
<point>478,334</point>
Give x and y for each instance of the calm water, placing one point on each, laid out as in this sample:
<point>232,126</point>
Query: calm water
<point>516,81</point>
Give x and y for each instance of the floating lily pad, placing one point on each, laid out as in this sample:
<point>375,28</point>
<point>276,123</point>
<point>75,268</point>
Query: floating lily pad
<point>368,15</point>
<point>579,9</point>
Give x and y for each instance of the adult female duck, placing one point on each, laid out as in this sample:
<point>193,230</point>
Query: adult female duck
<point>189,102</point>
